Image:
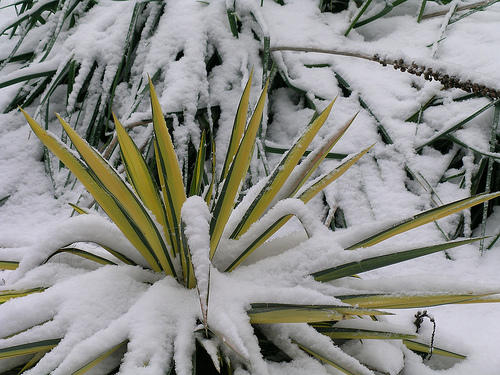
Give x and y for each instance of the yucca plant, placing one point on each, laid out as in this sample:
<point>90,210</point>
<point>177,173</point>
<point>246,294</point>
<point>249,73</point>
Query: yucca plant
<point>184,296</point>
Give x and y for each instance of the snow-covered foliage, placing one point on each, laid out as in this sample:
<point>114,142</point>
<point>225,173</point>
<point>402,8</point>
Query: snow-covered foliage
<point>434,144</point>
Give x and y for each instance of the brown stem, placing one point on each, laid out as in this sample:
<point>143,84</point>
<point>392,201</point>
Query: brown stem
<point>464,7</point>
<point>107,152</point>
<point>438,73</point>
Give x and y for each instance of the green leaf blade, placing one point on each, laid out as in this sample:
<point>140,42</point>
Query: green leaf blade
<point>353,268</point>
<point>424,218</point>
<point>280,174</point>
<point>269,313</point>
<point>237,172</point>
<point>29,348</point>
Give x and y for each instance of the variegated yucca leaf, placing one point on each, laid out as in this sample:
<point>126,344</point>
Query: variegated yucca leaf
<point>111,192</point>
<point>280,174</point>
<point>305,195</point>
<point>307,167</point>
<point>237,171</point>
<point>266,313</point>
<point>195,187</point>
<point>424,218</point>
<point>29,348</point>
<point>6,295</point>
<point>424,348</point>
<point>332,362</point>
<point>240,122</point>
<point>139,175</point>
<point>408,301</point>
<point>8,265</point>
<point>169,172</point>
<point>342,333</point>
<point>81,253</point>
<point>367,264</point>
<point>99,359</point>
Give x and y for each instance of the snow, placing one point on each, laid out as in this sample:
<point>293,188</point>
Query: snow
<point>95,308</point>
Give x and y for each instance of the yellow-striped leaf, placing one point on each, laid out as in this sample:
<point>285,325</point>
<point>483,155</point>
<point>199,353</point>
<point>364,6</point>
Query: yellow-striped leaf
<point>330,361</point>
<point>187,265</point>
<point>169,172</point>
<point>305,196</point>
<point>401,301</point>
<point>280,174</point>
<point>424,348</point>
<point>195,187</point>
<point>29,348</point>
<point>352,268</point>
<point>265,313</point>
<point>78,209</point>
<point>240,122</point>
<point>139,174</point>
<point>81,253</point>
<point>33,361</point>
<point>8,265</point>
<point>314,159</point>
<point>122,218</point>
<point>126,201</point>
<point>237,171</point>
<point>210,190</point>
<point>424,218</point>
<point>322,182</point>
<point>484,299</point>
<point>97,360</point>
<point>341,333</point>
<point>6,295</point>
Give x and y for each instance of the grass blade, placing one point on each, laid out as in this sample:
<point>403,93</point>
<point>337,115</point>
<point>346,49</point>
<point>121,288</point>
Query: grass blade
<point>358,16</point>
<point>353,268</point>
<point>421,10</point>
<point>456,126</point>
<point>28,76</point>
<point>424,218</point>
